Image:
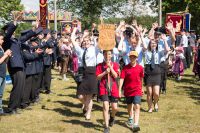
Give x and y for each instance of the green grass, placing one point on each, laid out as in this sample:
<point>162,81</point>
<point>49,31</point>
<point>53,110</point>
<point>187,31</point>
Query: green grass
<point>179,112</point>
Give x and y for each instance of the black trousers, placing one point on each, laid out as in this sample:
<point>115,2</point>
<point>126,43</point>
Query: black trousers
<point>191,55</point>
<point>18,80</point>
<point>187,54</point>
<point>47,78</point>
<point>27,90</point>
<point>163,69</point>
<point>36,89</point>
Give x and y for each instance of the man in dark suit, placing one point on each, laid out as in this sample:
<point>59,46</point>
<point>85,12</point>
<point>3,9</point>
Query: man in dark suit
<point>30,57</point>
<point>16,64</point>
<point>47,60</point>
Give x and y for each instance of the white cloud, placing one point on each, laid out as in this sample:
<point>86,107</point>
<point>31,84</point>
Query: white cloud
<point>30,5</point>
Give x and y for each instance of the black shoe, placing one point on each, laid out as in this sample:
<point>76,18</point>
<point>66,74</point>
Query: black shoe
<point>49,92</point>
<point>12,112</point>
<point>24,106</point>
<point>136,128</point>
<point>163,92</point>
<point>111,121</point>
<point>84,111</point>
<point>106,130</point>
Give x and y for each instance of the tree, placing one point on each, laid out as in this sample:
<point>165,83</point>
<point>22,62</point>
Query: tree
<point>89,11</point>
<point>7,6</point>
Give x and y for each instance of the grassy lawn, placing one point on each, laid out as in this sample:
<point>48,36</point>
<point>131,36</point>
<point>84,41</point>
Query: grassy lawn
<point>179,111</point>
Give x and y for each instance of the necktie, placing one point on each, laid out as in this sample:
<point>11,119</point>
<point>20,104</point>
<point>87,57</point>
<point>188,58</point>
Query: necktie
<point>84,62</point>
<point>153,60</point>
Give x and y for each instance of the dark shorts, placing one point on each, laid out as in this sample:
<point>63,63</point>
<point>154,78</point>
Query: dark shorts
<point>110,99</point>
<point>133,100</point>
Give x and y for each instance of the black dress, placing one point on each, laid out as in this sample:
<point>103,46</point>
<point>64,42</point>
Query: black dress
<point>88,86</point>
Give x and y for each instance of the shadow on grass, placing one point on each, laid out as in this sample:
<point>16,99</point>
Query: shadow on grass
<point>69,104</point>
<point>71,88</point>
<point>72,96</point>
<point>85,124</point>
<point>61,95</point>
<point>188,75</point>
<point>68,112</point>
<point>117,122</point>
<point>194,92</point>
<point>122,114</point>
<point>97,107</point>
<point>122,123</point>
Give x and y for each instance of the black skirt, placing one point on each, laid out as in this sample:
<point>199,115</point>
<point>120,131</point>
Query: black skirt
<point>88,85</point>
<point>152,76</point>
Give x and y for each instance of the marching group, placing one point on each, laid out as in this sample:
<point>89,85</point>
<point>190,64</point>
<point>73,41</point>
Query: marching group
<point>138,56</point>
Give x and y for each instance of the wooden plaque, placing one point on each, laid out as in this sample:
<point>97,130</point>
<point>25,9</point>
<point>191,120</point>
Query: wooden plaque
<point>106,36</point>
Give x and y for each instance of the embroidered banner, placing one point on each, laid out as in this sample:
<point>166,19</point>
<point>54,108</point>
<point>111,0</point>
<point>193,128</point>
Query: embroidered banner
<point>43,13</point>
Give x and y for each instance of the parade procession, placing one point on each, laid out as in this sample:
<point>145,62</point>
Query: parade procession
<point>92,66</point>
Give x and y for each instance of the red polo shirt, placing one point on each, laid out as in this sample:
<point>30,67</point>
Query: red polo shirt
<point>132,80</point>
<point>102,86</point>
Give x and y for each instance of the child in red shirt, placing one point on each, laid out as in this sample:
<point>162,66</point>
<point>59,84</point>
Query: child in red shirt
<point>106,73</point>
<point>131,80</point>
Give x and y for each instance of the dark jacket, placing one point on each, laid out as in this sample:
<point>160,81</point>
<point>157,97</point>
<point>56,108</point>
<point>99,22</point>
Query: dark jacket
<point>47,59</point>
<point>16,61</point>
<point>30,58</point>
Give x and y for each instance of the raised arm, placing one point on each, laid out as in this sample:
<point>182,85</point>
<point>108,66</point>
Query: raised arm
<point>121,46</point>
<point>164,38</point>
<point>141,37</point>
<point>31,33</point>
<point>152,31</point>
<point>172,33</point>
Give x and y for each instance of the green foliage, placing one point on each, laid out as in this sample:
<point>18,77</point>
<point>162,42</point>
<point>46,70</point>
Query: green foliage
<point>89,11</point>
<point>145,21</point>
<point>7,6</point>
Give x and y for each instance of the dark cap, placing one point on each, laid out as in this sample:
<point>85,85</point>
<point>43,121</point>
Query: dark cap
<point>183,30</point>
<point>39,31</point>
<point>24,32</point>
<point>46,31</point>
<point>161,30</point>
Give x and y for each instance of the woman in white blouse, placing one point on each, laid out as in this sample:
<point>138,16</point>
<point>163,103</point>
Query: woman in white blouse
<point>88,86</point>
<point>152,71</point>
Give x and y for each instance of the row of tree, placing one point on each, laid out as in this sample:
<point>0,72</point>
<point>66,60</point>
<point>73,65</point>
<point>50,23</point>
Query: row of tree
<point>89,11</point>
